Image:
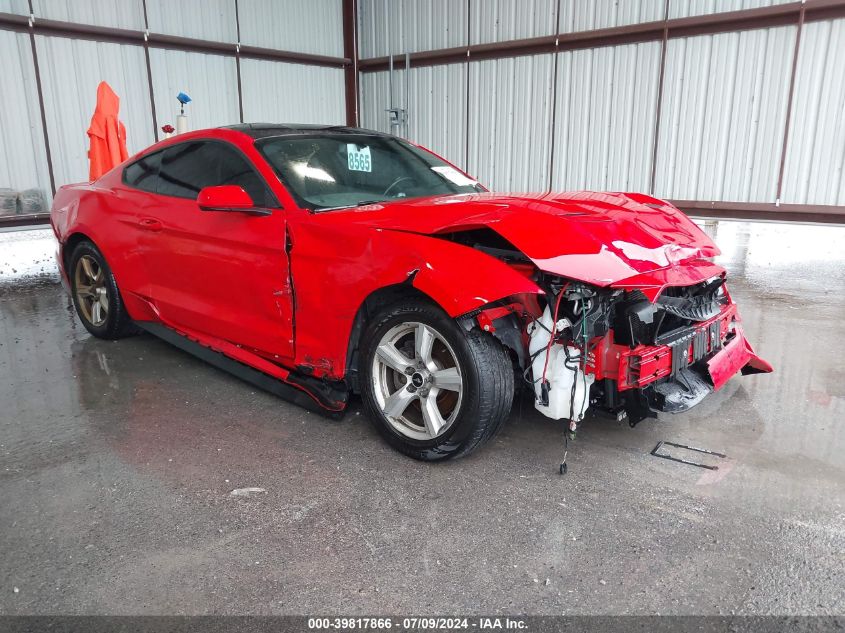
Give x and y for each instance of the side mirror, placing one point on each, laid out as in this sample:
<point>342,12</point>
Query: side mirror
<point>228,198</point>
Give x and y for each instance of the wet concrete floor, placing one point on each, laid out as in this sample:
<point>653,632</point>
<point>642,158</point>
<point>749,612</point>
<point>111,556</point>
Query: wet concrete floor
<point>117,460</point>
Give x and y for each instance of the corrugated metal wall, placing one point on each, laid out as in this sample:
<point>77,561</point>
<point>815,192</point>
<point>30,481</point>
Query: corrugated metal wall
<point>200,19</point>
<point>405,26</point>
<point>20,7</point>
<point>273,91</point>
<point>21,169</point>
<point>126,14</point>
<point>815,165</point>
<point>576,15</point>
<point>723,109</point>
<point>210,80</point>
<point>438,95</point>
<point>71,69</point>
<point>314,26</point>
<point>605,117</point>
<point>70,73</point>
<point>686,8</point>
<point>511,105</point>
<point>503,20</point>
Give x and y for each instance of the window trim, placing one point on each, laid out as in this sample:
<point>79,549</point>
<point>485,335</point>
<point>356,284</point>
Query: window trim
<point>272,199</point>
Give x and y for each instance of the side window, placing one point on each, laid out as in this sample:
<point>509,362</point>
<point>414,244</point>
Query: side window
<point>143,173</point>
<point>188,167</point>
<point>235,170</point>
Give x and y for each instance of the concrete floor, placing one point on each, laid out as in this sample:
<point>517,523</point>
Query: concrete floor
<point>117,460</point>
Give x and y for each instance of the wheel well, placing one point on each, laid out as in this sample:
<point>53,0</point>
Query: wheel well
<point>70,244</point>
<point>372,305</point>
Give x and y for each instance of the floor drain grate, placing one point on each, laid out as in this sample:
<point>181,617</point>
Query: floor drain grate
<point>656,452</point>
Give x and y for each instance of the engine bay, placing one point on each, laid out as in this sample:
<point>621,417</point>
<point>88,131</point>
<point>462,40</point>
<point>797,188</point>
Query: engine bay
<point>614,350</point>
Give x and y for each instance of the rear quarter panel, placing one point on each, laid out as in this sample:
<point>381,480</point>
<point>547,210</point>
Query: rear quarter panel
<point>106,214</point>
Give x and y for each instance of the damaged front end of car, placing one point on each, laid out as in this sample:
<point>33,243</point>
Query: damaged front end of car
<point>624,310</point>
<point>617,350</point>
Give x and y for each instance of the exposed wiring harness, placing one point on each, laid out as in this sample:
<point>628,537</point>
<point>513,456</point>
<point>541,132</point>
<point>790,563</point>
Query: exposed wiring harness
<point>544,384</point>
<point>582,362</point>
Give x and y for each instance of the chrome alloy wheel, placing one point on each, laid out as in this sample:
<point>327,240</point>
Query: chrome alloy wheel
<point>417,381</point>
<point>91,291</point>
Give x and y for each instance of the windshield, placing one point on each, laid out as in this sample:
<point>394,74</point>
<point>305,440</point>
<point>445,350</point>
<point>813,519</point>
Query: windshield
<point>325,172</point>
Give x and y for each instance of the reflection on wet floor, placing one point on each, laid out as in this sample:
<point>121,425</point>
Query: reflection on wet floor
<point>786,259</point>
<point>117,460</point>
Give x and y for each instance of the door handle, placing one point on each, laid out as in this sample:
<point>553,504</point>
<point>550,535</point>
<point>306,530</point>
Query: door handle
<point>150,224</point>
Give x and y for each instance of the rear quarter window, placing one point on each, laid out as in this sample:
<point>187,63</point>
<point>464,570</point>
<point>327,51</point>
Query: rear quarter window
<point>143,173</point>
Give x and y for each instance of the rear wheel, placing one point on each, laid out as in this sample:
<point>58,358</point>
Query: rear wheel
<point>433,390</point>
<point>95,294</point>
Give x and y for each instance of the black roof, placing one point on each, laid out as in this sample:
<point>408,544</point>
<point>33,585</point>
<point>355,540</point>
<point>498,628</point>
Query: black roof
<point>264,130</point>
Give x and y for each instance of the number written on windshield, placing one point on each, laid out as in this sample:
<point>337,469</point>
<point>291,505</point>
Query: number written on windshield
<point>358,159</point>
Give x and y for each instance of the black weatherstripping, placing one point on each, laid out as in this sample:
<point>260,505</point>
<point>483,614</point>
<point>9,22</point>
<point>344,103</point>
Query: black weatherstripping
<point>319,396</point>
<point>265,130</point>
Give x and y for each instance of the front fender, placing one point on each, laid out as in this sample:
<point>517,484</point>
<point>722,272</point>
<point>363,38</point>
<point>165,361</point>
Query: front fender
<point>336,267</point>
<point>461,279</point>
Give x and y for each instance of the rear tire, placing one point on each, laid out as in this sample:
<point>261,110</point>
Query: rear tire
<point>95,294</point>
<point>433,390</point>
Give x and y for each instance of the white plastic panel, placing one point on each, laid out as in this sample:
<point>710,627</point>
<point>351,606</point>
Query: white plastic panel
<point>502,20</point>
<point>210,80</point>
<point>605,118</point>
<point>578,15</point>
<point>71,70</point>
<point>723,115</point>
<point>23,157</point>
<point>407,26</point>
<point>276,92</point>
<point>814,172</point>
<point>310,26</point>
<point>200,19</point>
<point>125,14</point>
<point>686,8</point>
<point>510,122</point>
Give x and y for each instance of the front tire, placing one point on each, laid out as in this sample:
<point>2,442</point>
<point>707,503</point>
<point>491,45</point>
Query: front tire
<point>95,294</point>
<point>433,390</point>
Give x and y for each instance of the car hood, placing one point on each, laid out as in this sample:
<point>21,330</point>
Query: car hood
<point>606,239</point>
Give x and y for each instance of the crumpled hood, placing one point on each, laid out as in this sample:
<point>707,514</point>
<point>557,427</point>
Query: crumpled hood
<point>606,239</point>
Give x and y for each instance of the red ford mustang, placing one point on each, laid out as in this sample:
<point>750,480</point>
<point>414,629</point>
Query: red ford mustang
<point>319,262</point>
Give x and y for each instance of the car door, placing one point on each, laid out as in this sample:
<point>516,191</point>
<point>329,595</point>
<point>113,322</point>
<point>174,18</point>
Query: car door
<point>129,204</point>
<point>220,273</point>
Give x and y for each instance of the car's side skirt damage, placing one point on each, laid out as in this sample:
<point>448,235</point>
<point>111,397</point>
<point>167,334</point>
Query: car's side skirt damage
<point>320,396</point>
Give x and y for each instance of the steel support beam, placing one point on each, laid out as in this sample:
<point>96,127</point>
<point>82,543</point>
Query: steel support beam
<point>150,73</point>
<point>818,213</point>
<point>40,90</point>
<point>796,50</point>
<point>659,107</point>
<point>350,51</point>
